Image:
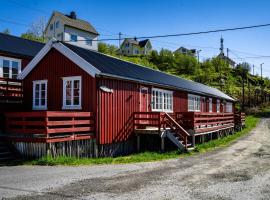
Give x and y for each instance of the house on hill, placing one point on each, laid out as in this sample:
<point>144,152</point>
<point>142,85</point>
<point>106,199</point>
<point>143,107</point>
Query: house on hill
<point>70,28</point>
<point>132,47</point>
<point>222,55</point>
<point>79,102</point>
<point>185,51</point>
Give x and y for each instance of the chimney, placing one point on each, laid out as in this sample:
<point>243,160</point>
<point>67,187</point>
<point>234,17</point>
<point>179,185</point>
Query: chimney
<point>73,15</point>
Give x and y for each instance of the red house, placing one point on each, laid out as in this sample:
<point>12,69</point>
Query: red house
<point>84,103</point>
<point>15,54</point>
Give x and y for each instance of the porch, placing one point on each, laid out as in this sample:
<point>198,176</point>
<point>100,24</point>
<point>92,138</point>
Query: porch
<point>49,126</point>
<point>11,90</point>
<point>185,128</point>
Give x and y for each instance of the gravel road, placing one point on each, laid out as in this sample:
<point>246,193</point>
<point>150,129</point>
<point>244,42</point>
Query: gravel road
<point>241,171</point>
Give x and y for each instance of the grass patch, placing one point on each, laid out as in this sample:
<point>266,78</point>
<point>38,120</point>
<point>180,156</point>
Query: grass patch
<point>251,122</point>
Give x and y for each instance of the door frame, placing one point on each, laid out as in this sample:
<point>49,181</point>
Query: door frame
<point>141,89</point>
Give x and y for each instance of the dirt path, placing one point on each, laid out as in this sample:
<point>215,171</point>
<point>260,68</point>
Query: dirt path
<point>241,171</point>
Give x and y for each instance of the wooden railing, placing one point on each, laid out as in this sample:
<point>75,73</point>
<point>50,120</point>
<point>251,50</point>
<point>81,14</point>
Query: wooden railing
<point>168,121</point>
<point>10,89</point>
<point>205,122</point>
<point>143,119</point>
<point>50,126</point>
<point>240,118</point>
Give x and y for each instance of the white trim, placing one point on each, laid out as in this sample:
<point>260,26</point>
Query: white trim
<point>2,58</point>
<point>162,103</point>
<point>144,88</point>
<point>39,82</point>
<point>72,107</point>
<point>194,103</point>
<point>83,64</point>
<point>210,100</point>
<point>218,106</point>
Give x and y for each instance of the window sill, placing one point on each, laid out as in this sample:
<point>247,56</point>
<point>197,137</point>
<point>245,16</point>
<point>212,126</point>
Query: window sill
<point>71,108</point>
<point>39,108</point>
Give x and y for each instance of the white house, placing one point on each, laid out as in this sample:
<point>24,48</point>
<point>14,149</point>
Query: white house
<point>70,28</point>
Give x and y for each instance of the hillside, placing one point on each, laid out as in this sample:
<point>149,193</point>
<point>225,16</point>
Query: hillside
<point>215,72</point>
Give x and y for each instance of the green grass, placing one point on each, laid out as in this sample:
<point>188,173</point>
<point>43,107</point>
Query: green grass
<point>251,122</point>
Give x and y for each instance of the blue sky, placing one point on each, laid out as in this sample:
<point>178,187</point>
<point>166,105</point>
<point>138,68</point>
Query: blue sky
<point>155,17</point>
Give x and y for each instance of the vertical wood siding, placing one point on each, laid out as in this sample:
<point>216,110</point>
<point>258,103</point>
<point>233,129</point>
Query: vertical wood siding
<point>116,110</point>
<point>53,67</point>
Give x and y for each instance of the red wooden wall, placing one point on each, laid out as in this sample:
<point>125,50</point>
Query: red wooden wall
<point>115,112</point>
<point>53,67</point>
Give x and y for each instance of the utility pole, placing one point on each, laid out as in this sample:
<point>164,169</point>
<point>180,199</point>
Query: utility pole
<point>120,34</point>
<point>198,54</point>
<point>261,83</point>
<point>228,57</point>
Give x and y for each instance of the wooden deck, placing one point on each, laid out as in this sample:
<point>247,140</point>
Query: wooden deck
<point>11,90</point>
<point>49,126</point>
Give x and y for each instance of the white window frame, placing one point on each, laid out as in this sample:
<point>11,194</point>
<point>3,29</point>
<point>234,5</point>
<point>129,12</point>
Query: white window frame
<point>195,99</point>
<point>71,38</point>
<point>2,58</point>
<point>40,107</point>
<point>210,105</point>
<point>72,106</point>
<point>162,109</point>
<point>218,105</point>
<point>88,41</point>
<point>229,107</point>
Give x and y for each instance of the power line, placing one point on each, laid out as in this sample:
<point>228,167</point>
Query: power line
<point>13,22</point>
<point>187,34</point>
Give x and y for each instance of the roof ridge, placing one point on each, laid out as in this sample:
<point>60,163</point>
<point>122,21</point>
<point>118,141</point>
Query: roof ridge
<point>144,66</point>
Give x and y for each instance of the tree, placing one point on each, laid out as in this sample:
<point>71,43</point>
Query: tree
<point>36,31</point>
<point>242,70</point>
<point>6,31</point>
<point>107,48</point>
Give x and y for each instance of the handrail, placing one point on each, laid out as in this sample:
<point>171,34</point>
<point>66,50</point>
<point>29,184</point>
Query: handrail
<point>176,124</point>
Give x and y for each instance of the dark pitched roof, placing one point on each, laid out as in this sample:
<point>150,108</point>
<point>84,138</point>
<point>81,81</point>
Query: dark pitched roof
<point>19,46</point>
<point>115,67</point>
<point>142,43</point>
<point>227,59</point>
<point>76,23</point>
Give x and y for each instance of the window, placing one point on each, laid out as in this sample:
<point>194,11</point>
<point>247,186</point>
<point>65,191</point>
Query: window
<point>210,105</point>
<point>9,67</point>
<point>218,105</point>
<point>73,38</point>
<point>40,95</point>
<point>194,103</point>
<point>59,36</point>
<point>88,41</point>
<point>136,51</point>
<point>72,92</point>
<point>51,27</point>
<point>57,24</point>
<point>162,100</point>
<point>228,107</point>
<point>127,45</point>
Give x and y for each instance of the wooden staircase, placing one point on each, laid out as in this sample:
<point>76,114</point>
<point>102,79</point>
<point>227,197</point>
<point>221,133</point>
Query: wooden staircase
<point>176,133</point>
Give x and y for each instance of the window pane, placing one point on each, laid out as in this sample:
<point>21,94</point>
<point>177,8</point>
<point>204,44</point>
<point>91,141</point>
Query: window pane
<point>76,101</point>
<point>15,65</point>
<point>6,63</point>
<point>6,72</point>
<point>14,73</point>
<point>42,102</point>
<point>36,102</point>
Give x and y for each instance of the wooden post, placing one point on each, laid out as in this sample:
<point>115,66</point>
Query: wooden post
<point>138,143</point>
<point>162,144</point>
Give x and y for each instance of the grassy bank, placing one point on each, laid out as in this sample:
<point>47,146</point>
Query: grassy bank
<point>251,122</point>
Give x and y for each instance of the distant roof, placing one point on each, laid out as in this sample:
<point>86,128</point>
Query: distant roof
<point>76,23</point>
<point>19,46</point>
<point>141,43</point>
<point>114,67</point>
<point>222,56</point>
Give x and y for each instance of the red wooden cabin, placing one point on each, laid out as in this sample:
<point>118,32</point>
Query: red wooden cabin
<point>81,102</point>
